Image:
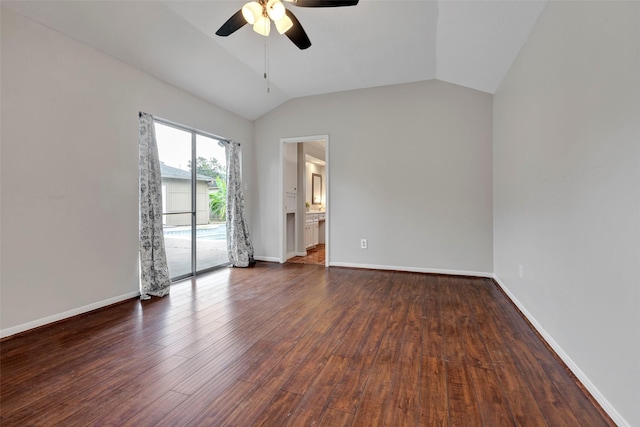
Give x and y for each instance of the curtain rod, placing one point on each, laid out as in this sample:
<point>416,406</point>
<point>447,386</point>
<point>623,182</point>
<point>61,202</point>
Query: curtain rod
<point>220,139</point>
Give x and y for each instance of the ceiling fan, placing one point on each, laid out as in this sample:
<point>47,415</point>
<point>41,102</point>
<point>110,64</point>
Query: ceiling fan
<point>260,13</point>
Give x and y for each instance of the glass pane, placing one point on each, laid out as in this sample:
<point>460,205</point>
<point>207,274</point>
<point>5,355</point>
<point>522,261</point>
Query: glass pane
<point>177,241</point>
<point>174,150</point>
<point>211,233</point>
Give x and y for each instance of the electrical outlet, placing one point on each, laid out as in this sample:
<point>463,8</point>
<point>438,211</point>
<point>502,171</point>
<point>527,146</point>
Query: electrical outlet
<point>363,243</point>
<point>520,270</point>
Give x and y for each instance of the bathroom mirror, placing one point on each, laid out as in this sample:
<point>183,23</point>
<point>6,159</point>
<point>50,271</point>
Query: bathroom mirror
<point>316,189</point>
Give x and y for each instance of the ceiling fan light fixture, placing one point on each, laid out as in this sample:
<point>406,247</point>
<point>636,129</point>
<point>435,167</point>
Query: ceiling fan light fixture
<point>275,10</point>
<point>260,13</point>
<point>284,24</point>
<point>251,12</point>
<point>262,26</point>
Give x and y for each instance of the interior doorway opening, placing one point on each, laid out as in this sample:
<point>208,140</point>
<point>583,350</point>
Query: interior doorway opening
<point>304,236</point>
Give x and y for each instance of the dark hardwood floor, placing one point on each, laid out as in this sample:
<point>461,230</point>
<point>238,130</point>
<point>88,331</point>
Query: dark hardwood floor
<point>315,256</point>
<point>295,345</point>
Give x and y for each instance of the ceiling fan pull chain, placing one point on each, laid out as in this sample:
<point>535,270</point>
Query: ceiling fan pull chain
<point>266,63</point>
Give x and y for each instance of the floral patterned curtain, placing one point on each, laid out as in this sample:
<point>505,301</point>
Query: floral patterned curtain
<point>239,244</point>
<point>154,272</point>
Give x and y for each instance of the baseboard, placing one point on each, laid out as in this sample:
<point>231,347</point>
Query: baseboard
<point>61,316</point>
<point>266,258</point>
<point>412,269</point>
<point>295,254</point>
<point>573,367</point>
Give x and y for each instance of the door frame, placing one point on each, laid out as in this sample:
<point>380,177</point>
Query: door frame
<point>193,212</point>
<point>283,217</point>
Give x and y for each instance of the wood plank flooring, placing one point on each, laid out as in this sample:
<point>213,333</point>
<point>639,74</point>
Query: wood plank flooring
<point>295,345</point>
<point>314,255</point>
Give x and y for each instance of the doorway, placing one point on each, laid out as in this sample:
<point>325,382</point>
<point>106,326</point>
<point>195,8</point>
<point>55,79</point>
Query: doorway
<point>193,199</point>
<point>304,234</point>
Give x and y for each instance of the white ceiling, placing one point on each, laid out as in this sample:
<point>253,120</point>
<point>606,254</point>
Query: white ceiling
<point>376,43</point>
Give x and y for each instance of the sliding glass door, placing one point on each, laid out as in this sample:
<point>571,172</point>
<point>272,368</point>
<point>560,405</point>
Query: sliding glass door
<point>193,169</point>
<point>211,205</point>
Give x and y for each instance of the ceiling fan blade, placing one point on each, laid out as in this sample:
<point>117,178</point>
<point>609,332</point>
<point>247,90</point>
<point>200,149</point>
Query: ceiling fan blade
<point>232,25</point>
<point>296,33</point>
<point>323,3</point>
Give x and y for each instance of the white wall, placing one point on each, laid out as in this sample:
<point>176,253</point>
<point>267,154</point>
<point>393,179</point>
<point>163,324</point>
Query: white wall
<point>567,191</point>
<point>409,169</point>
<point>70,170</point>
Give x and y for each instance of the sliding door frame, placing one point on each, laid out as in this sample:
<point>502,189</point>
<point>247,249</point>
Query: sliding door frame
<point>194,133</point>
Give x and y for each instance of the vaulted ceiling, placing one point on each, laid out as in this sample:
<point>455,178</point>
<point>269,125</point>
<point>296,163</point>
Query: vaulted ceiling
<point>376,43</point>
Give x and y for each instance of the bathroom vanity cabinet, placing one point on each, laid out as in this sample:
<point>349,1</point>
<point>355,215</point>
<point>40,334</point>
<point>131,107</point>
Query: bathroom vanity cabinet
<point>314,221</point>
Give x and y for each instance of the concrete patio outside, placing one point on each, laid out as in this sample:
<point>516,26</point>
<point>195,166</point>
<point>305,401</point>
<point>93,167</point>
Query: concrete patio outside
<point>210,251</point>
